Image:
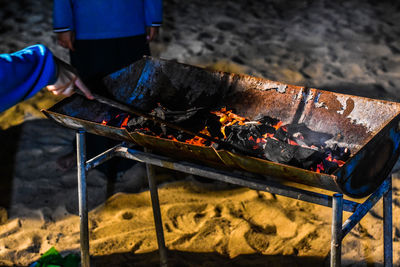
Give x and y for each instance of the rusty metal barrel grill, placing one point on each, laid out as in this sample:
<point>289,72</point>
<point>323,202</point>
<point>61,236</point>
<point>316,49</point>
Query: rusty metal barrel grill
<point>369,127</point>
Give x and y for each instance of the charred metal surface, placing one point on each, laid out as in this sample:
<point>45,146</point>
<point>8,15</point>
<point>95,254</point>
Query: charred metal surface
<point>366,170</point>
<point>170,83</point>
<point>76,112</point>
<point>125,89</point>
<point>368,127</point>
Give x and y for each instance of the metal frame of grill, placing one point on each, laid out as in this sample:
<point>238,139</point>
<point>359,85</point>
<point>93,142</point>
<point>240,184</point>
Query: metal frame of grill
<point>336,201</point>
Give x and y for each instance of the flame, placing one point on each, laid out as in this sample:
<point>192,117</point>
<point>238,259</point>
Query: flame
<point>278,125</point>
<point>173,138</point>
<point>340,163</point>
<point>320,168</point>
<point>228,118</point>
<point>125,122</point>
<point>293,143</point>
<point>261,140</point>
<point>199,140</point>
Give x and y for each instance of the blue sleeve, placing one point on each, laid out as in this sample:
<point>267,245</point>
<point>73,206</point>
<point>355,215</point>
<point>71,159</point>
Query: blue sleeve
<point>24,73</point>
<point>62,16</point>
<point>153,10</point>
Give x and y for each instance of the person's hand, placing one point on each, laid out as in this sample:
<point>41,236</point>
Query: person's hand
<point>66,39</point>
<point>66,80</point>
<point>152,33</point>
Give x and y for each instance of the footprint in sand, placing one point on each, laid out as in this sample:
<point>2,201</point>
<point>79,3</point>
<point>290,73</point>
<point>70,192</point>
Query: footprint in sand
<point>127,215</point>
<point>187,218</point>
<point>258,237</point>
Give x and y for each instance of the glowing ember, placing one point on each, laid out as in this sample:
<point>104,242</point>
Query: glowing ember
<point>228,118</point>
<point>125,122</point>
<point>198,140</point>
<point>278,125</point>
<point>120,120</point>
<point>340,163</point>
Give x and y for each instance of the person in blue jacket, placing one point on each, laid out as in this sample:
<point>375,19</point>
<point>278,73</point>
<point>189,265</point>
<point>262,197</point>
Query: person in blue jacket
<point>25,72</point>
<point>104,36</point>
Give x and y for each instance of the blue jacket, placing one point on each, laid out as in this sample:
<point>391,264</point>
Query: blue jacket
<point>101,19</point>
<point>24,73</point>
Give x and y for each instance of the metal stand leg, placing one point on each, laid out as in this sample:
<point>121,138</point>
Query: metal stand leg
<point>157,216</point>
<point>387,227</point>
<point>337,220</point>
<point>82,193</point>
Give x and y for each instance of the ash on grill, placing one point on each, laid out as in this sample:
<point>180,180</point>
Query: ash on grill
<point>293,144</point>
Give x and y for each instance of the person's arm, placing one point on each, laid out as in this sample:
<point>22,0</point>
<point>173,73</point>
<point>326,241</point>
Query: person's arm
<point>63,23</point>
<point>153,14</point>
<point>24,73</point>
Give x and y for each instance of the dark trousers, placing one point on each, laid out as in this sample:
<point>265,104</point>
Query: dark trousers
<point>95,59</point>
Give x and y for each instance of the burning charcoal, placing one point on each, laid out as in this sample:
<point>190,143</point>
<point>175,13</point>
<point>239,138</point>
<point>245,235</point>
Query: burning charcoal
<point>254,130</point>
<point>278,151</point>
<point>299,139</point>
<point>298,156</point>
<point>242,135</point>
<point>182,137</point>
<point>265,128</point>
<point>214,126</point>
<point>118,119</point>
<point>282,135</point>
<point>266,120</point>
<point>306,158</point>
<point>145,131</point>
<point>244,130</point>
<point>193,119</point>
<point>310,137</point>
<point>340,153</point>
<point>329,166</point>
<point>140,123</point>
<point>137,123</point>
<point>175,116</point>
<point>159,112</point>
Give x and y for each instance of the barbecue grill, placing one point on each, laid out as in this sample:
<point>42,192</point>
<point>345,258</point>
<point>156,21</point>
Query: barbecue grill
<point>369,127</point>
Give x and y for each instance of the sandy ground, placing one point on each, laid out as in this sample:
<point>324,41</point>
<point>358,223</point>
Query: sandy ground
<point>345,46</point>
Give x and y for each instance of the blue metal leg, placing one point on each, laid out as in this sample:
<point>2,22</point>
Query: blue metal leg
<point>82,193</point>
<point>387,226</point>
<point>157,215</point>
<point>337,220</point>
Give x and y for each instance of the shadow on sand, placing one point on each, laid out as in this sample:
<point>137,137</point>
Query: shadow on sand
<point>182,259</point>
<point>9,140</point>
